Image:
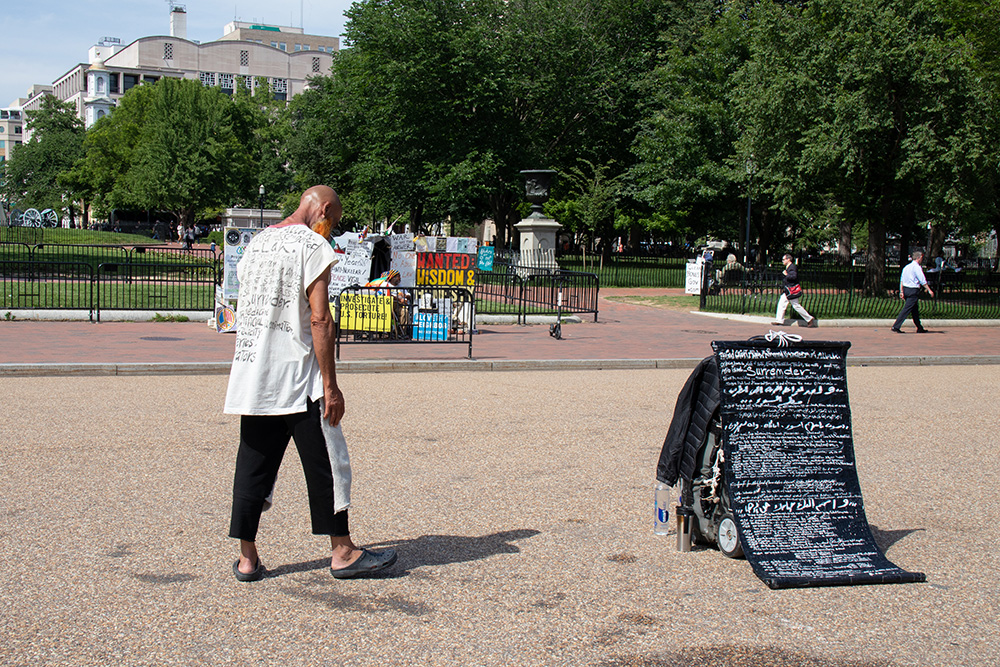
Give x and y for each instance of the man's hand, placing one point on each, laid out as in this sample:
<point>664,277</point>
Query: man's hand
<point>333,405</point>
<point>930,291</point>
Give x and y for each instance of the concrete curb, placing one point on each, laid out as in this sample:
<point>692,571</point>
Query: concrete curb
<point>467,365</point>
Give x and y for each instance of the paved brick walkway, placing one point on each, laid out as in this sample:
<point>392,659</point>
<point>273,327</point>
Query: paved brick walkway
<point>623,331</point>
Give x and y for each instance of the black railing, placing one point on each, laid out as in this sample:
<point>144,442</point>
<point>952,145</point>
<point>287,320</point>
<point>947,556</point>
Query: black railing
<point>47,286</point>
<point>838,292</point>
<point>405,315</point>
<point>169,287</point>
<point>523,284</point>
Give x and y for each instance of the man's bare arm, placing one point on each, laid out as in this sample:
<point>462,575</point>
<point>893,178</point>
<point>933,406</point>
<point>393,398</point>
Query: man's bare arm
<point>324,341</point>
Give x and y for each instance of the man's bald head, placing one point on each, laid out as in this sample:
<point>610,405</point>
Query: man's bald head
<point>321,209</point>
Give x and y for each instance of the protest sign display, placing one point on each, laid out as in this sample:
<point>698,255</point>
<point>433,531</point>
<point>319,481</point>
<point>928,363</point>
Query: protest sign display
<point>485,258</point>
<point>236,239</point>
<point>352,269</point>
<point>405,261</point>
<point>366,312</point>
<point>445,269</point>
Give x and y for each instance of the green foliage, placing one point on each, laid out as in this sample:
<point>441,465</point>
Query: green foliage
<point>175,145</point>
<point>436,107</point>
<point>33,169</point>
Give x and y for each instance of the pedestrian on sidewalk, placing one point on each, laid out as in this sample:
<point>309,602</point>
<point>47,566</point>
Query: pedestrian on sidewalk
<point>791,291</point>
<point>283,384</point>
<point>911,281</point>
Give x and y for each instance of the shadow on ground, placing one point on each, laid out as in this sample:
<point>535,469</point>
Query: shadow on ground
<point>429,550</point>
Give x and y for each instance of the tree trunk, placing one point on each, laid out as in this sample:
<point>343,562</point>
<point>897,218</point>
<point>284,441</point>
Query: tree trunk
<point>875,259</point>
<point>844,246</point>
<point>905,241</point>
<point>936,243</point>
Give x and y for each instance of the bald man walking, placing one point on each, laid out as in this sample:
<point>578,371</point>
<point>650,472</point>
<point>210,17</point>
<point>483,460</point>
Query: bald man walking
<point>283,383</point>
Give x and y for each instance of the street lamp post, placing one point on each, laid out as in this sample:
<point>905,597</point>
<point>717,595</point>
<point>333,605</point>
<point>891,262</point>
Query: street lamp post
<point>751,167</point>
<point>261,192</point>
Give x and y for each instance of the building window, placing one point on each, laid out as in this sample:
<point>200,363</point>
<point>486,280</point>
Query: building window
<point>245,81</point>
<point>279,87</point>
<point>274,44</point>
<point>226,82</point>
<point>244,58</point>
<point>207,78</point>
<point>113,83</point>
<point>129,81</point>
<point>17,129</point>
<point>150,79</point>
<point>168,50</point>
<point>100,84</point>
<point>305,47</point>
<point>315,65</point>
<point>283,46</point>
<point>298,47</point>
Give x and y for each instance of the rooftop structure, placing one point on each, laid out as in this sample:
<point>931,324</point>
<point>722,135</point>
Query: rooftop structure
<point>248,54</point>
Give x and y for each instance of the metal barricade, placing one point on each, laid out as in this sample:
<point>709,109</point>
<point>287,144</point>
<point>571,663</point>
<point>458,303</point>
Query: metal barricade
<point>155,286</point>
<point>404,315</point>
<point>34,285</point>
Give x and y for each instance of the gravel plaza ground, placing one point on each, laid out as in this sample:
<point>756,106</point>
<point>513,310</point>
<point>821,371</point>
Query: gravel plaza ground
<point>521,506</point>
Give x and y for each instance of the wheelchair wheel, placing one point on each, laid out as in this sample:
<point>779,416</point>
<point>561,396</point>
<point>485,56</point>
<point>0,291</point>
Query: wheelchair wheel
<point>728,538</point>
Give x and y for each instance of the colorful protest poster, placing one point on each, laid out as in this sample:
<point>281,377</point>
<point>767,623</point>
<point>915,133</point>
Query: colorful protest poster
<point>236,241</point>
<point>366,312</point>
<point>424,243</point>
<point>485,258</point>
<point>406,263</point>
<point>225,318</point>
<point>445,269</point>
<point>430,326</point>
<point>441,244</point>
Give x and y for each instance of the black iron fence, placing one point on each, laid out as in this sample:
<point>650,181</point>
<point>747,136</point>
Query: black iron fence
<point>838,292</point>
<point>96,278</point>
<point>523,284</point>
<point>405,315</point>
<point>169,287</point>
<point>621,270</point>
<point>47,285</point>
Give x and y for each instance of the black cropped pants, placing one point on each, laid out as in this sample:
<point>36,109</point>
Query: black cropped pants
<point>263,440</point>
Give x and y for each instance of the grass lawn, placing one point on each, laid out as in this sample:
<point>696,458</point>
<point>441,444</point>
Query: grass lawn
<point>45,295</point>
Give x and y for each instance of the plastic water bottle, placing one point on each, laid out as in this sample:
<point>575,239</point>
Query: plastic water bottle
<point>661,504</point>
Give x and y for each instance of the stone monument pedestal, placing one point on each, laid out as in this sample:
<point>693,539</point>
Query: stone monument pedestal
<point>538,242</point>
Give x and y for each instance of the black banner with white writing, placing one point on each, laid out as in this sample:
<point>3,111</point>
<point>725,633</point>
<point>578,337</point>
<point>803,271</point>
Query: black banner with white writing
<point>791,475</point>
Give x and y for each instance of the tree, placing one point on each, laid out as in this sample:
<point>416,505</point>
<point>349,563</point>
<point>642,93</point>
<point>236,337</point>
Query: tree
<point>436,107</point>
<point>175,146</point>
<point>34,168</point>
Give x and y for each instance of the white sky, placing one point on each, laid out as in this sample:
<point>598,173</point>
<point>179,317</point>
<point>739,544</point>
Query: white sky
<point>43,39</point>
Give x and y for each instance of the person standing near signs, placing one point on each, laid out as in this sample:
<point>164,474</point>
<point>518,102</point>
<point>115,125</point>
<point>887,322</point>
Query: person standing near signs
<point>791,290</point>
<point>911,281</point>
<point>283,384</point>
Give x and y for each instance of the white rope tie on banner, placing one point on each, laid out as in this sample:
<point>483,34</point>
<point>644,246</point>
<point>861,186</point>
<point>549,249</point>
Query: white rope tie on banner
<point>784,339</point>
